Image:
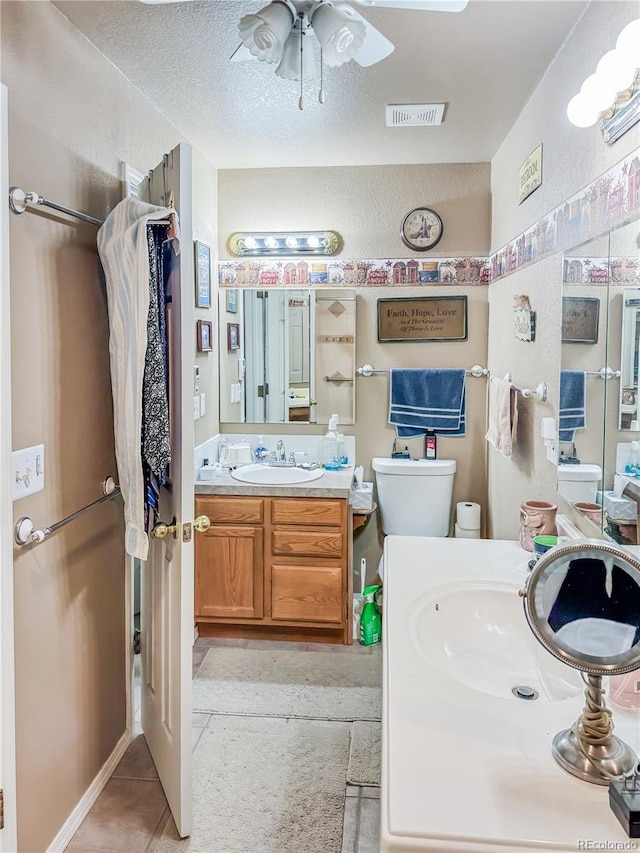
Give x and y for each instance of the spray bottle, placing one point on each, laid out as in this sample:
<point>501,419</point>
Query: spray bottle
<point>370,619</point>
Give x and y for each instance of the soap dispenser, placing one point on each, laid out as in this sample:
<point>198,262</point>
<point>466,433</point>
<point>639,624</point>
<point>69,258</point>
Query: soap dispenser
<point>260,451</point>
<point>331,447</point>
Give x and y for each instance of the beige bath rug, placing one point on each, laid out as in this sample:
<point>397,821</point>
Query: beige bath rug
<point>365,753</point>
<point>286,683</point>
<point>266,785</point>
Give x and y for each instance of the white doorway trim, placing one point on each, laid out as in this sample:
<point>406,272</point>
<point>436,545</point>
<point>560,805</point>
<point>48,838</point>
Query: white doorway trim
<point>8,836</point>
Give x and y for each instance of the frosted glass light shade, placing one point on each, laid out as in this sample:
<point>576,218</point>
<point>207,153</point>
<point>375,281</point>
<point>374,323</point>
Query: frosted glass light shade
<point>289,66</point>
<point>616,71</point>
<point>340,36</point>
<point>598,92</point>
<point>628,44</point>
<point>265,34</point>
<point>581,112</point>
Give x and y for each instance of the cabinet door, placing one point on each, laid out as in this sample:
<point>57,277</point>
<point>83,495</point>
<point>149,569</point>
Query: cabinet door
<point>307,593</point>
<point>229,572</point>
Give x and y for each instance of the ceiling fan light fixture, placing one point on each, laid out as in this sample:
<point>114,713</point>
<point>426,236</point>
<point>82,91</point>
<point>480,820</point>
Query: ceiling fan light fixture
<point>289,66</point>
<point>340,36</point>
<point>265,33</point>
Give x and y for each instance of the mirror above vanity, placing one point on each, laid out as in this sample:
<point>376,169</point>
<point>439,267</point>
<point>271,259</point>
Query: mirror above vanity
<point>287,355</point>
<point>599,379</point>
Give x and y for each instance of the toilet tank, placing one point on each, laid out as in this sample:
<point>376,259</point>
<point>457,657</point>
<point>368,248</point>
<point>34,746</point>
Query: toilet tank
<point>414,495</point>
<point>579,482</point>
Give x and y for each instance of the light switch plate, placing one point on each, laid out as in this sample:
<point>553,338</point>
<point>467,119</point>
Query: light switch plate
<point>196,407</point>
<point>27,471</point>
<point>196,379</point>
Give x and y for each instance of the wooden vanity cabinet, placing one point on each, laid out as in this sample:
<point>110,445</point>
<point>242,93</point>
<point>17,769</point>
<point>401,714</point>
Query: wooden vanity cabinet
<point>274,567</point>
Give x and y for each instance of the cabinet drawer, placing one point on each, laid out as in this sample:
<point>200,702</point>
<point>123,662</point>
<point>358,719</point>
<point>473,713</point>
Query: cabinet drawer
<point>309,511</point>
<point>231,510</point>
<point>307,593</point>
<point>306,543</point>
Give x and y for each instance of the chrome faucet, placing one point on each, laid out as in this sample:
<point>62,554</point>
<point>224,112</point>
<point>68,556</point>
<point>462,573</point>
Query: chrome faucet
<point>281,453</point>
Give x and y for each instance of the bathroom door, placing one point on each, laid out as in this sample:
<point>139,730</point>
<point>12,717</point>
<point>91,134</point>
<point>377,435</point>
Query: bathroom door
<point>167,615</point>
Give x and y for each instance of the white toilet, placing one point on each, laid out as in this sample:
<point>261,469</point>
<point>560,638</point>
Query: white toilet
<point>579,482</point>
<point>414,496</point>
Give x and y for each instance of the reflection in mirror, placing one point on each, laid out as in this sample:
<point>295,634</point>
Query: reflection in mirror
<point>583,378</point>
<point>296,359</point>
<point>588,605</point>
<point>582,602</point>
<point>621,509</point>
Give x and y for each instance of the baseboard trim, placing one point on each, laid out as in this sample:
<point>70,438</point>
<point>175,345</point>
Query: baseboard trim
<point>83,807</point>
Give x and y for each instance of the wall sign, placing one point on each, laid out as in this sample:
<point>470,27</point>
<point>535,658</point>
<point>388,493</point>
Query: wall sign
<point>524,324</point>
<point>524,319</point>
<point>427,318</point>
<point>530,174</point>
<point>580,319</point>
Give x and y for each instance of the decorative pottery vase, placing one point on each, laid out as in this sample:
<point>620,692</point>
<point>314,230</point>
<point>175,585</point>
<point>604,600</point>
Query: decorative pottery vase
<point>537,518</point>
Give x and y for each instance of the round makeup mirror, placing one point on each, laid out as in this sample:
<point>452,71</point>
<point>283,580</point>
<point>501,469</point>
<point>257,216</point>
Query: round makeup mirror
<point>582,602</point>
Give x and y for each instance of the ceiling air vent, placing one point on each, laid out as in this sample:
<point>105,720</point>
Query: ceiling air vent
<point>410,115</point>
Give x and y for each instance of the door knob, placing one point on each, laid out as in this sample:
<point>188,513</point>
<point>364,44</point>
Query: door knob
<point>313,402</point>
<point>202,523</point>
<point>161,529</point>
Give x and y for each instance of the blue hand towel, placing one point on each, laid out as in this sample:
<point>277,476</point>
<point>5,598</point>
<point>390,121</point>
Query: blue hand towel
<point>572,410</point>
<point>427,398</point>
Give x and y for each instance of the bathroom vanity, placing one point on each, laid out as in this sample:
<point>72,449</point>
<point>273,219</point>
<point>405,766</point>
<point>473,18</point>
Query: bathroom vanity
<point>466,765</point>
<point>275,562</point>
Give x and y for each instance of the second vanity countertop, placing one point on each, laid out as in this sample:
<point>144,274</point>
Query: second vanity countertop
<point>465,769</point>
<point>332,484</point>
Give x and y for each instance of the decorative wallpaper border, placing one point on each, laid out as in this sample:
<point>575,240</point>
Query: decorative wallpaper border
<point>399,272</point>
<point>609,200</point>
<point>623,270</point>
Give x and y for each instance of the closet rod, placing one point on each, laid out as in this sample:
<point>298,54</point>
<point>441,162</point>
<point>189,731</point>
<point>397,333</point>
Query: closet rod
<point>19,201</point>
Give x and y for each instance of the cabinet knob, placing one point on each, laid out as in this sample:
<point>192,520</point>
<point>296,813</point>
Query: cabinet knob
<point>202,523</point>
<point>161,529</point>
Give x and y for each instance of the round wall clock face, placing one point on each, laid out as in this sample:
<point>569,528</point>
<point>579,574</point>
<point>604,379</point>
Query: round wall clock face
<point>421,229</point>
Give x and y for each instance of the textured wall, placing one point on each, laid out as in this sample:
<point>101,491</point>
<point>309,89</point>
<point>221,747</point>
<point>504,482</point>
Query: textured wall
<point>365,204</point>
<point>72,120</point>
<point>572,157</point>
<point>205,229</point>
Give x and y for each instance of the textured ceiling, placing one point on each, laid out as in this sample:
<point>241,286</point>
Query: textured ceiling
<point>484,63</point>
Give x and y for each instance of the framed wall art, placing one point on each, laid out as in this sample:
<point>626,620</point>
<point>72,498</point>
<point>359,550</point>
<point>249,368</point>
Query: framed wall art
<point>203,275</point>
<point>233,336</point>
<point>204,329</point>
<point>426,318</point>
<point>232,300</point>
<point>580,317</point>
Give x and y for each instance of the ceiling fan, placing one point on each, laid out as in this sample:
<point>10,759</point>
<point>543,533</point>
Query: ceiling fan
<point>280,31</point>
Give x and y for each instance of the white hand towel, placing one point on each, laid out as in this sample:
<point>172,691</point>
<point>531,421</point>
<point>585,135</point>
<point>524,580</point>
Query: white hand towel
<point>503,416</point>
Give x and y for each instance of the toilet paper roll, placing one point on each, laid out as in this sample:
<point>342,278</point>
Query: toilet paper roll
<point>462,533</point>
<point>468,515</point>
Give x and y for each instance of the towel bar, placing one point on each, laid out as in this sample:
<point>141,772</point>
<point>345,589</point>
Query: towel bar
<point>25,534</point>
<point>476,370</point>
<point>540,392</point>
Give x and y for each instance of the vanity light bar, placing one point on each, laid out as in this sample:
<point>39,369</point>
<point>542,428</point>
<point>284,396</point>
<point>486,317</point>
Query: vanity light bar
<point>254,243</point>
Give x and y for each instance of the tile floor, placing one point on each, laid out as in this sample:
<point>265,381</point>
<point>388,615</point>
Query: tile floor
<point>131,812</point>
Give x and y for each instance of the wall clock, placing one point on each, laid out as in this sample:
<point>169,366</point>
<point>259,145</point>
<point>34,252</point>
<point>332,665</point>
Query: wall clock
<point>421,229</point>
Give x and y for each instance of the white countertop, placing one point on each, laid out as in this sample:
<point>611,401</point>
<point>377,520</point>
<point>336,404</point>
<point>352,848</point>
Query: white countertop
<point>468,771</point>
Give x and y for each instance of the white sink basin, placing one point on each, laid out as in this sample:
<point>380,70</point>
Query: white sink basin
<point>266,475</point>
<point>478,635</point>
